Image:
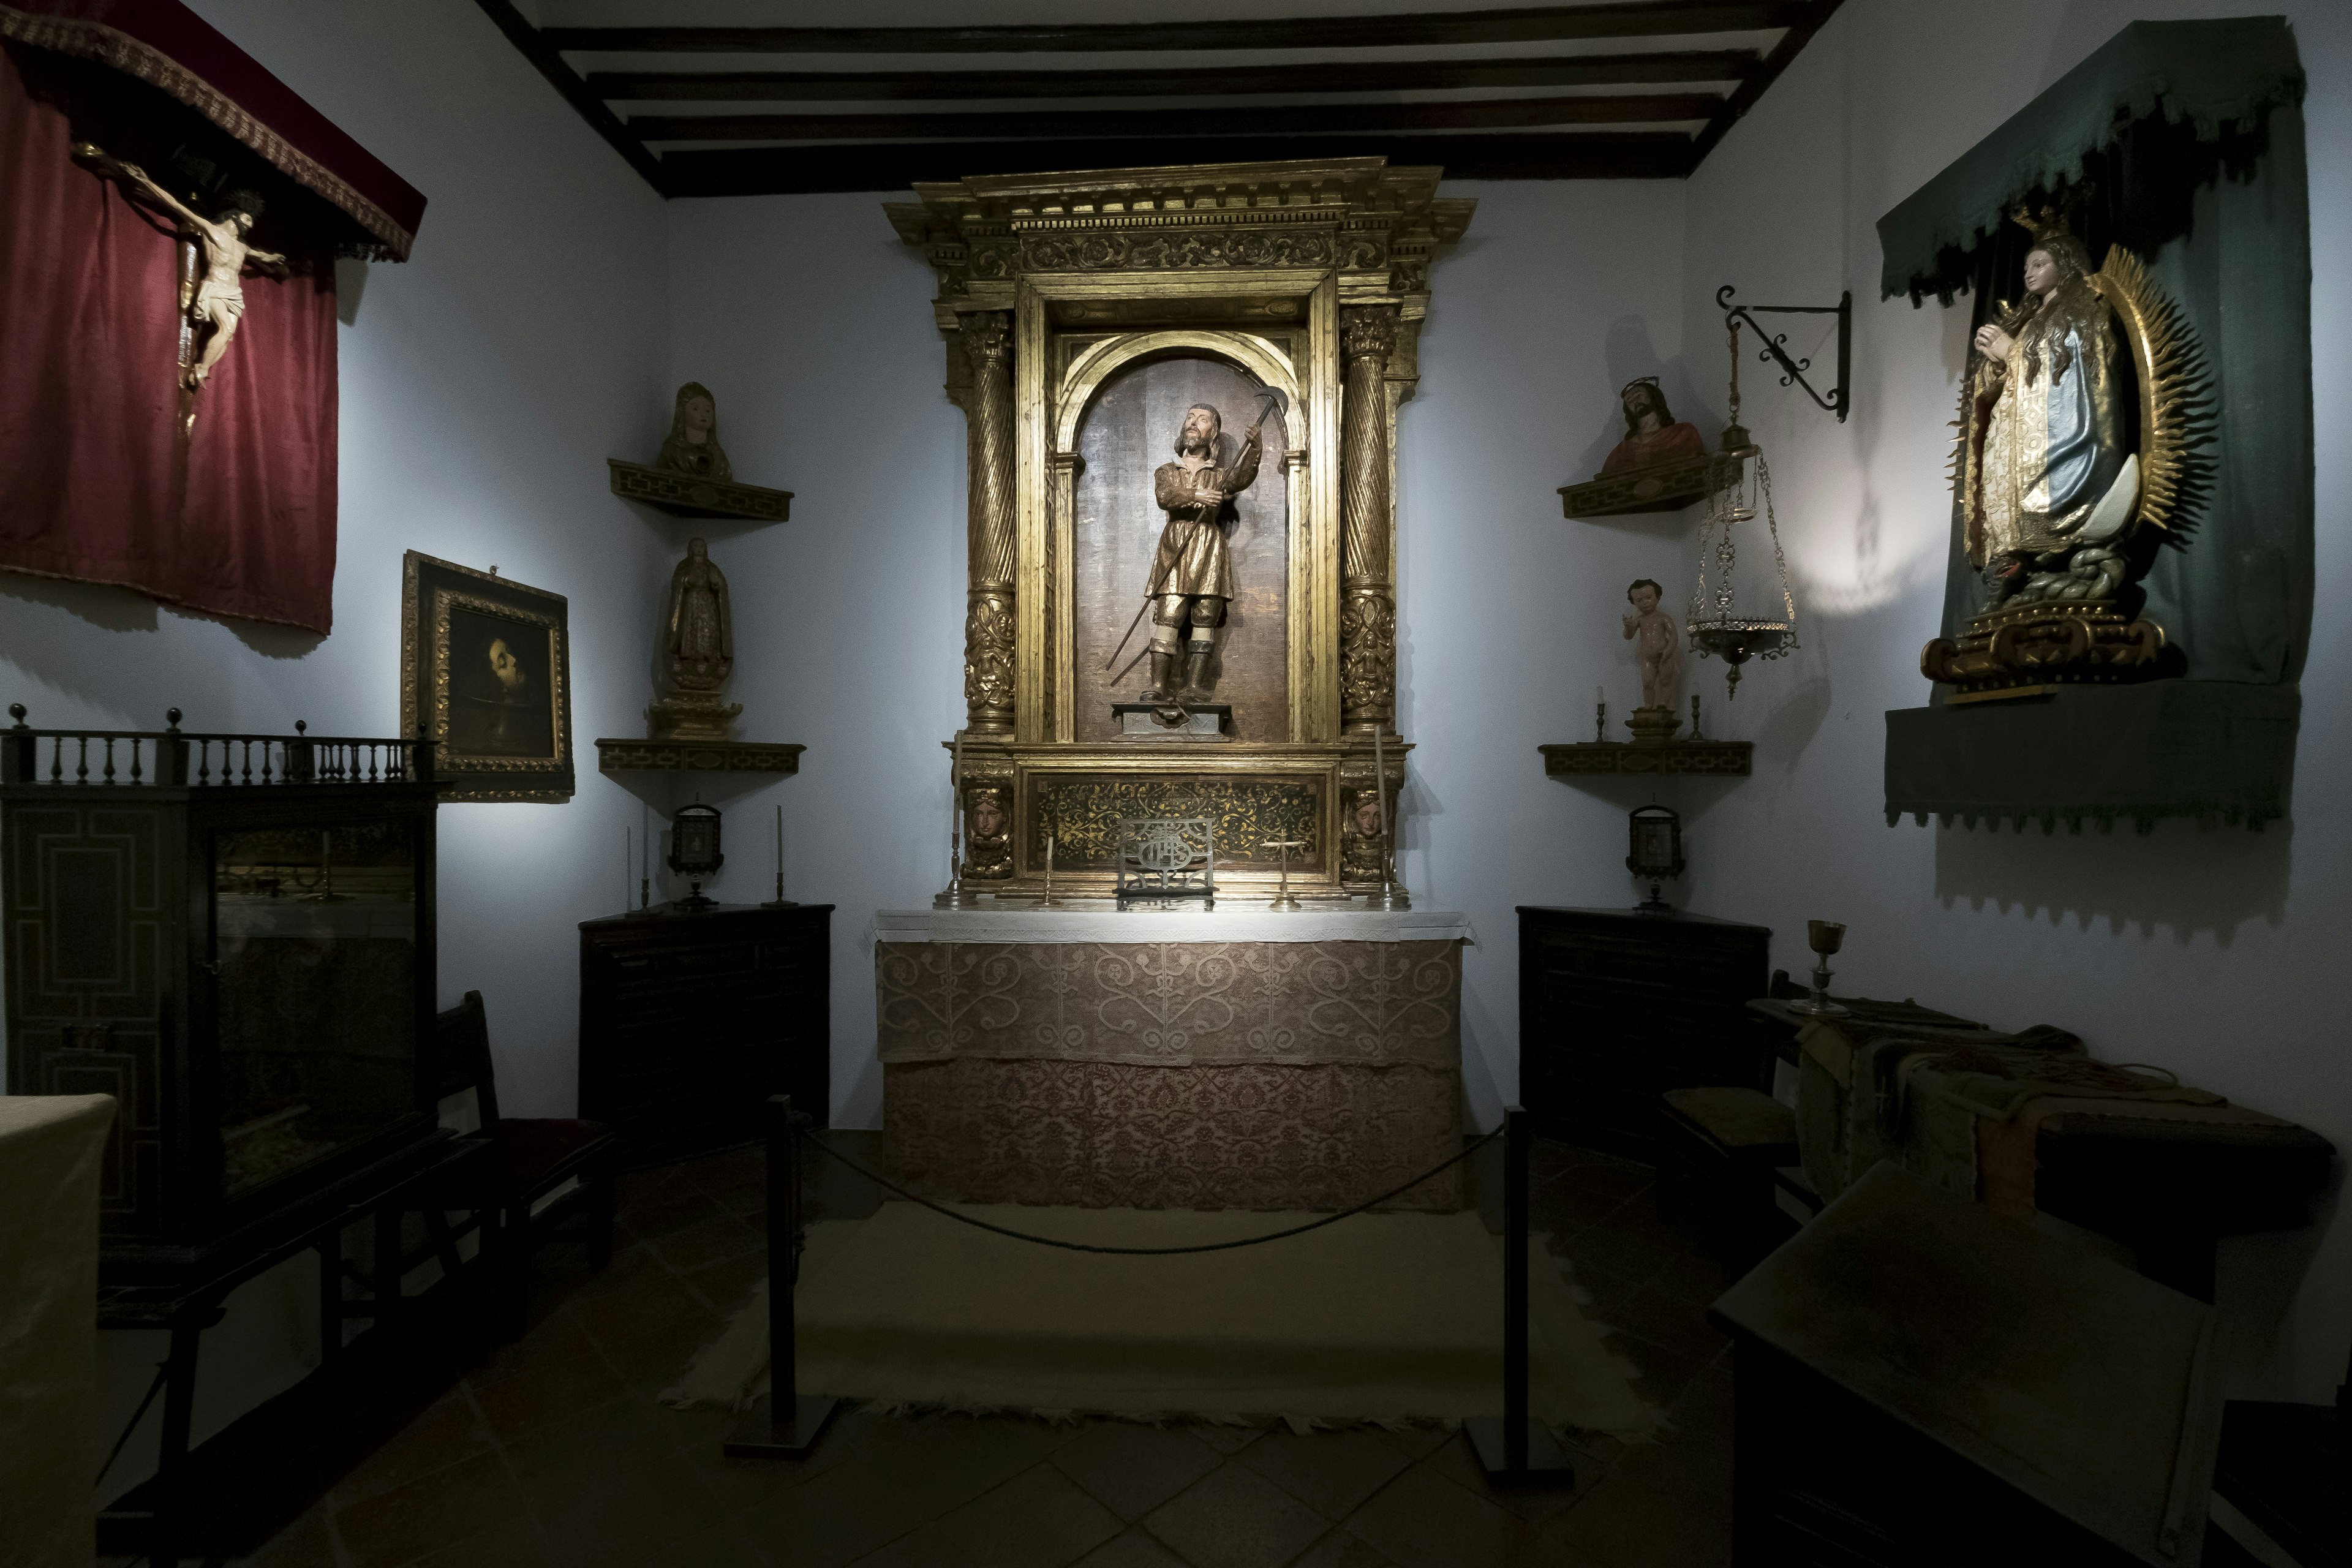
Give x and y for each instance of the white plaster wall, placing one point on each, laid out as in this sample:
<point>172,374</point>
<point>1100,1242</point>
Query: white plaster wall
<point>483,383</point>
<point>812,324</point>
<point>2216,953</point>
<point>554,303</point>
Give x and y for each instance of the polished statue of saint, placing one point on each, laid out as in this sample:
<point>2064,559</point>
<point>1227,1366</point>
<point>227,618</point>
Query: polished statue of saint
<point>2048,477</point>
<point>697,632</point>
<point>1192,574</point>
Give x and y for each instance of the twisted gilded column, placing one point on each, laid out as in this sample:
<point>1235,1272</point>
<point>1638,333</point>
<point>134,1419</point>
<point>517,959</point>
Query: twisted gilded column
<point>987,616</point>
<point>1366,597</point>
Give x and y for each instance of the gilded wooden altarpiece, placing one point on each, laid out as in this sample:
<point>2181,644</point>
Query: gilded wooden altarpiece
<point>1309,278</point>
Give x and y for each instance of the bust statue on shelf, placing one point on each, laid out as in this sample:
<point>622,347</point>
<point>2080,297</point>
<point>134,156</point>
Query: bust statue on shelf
<point>1653,435</point>
<point>693,445</point>
<point>698,652</point>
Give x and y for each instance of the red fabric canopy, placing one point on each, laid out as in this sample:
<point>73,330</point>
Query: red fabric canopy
<point>172,49</point>
<point>222,499</point>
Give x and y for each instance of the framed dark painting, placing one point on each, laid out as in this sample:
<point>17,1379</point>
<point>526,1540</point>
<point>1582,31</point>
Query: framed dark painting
<point>486,673</point>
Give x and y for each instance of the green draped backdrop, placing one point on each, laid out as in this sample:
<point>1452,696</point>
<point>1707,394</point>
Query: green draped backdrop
<point>2183,140</point>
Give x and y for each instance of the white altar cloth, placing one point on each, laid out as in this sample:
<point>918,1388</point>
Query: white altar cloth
<point>1097,921</point>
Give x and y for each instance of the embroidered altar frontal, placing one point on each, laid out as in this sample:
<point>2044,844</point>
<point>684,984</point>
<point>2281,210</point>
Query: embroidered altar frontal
<point>1310,1061</point>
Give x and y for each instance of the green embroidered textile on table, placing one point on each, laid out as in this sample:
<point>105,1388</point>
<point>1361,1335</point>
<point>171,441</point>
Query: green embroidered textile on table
<point>1914,1097</point>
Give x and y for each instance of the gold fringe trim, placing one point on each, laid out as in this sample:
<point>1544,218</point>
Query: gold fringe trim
<point>119,51</point>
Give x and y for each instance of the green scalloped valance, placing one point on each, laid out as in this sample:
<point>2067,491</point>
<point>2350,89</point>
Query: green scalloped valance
<point>2219,77</point>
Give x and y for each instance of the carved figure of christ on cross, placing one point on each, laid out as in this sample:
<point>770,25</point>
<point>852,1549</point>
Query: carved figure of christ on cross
<point>218,301</point>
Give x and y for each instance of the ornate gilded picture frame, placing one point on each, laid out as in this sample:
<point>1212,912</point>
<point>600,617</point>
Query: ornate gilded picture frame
<point>485,674</point>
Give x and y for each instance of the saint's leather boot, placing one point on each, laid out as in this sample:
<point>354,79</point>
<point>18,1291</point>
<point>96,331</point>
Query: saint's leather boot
<point>1196,673</point>
<point>1164,676</point>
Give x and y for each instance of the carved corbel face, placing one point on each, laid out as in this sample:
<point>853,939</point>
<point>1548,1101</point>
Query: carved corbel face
<point>1368,814</point>
<point>987,815</point>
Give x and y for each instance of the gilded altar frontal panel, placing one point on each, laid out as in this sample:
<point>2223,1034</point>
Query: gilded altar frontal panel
<point>1129,428</point>
<point>1083,810</point>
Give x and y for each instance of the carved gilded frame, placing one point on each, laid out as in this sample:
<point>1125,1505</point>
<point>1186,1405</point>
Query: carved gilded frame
<point>1051,399</point>
<point>431,590</point>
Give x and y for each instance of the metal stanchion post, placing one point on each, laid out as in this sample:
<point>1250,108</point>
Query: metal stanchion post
<point>1517,1447</point>
<point>785,1425</point>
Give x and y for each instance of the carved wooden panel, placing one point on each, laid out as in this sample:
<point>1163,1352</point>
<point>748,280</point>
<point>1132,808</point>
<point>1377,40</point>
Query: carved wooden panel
<point>1127,435</point>
<point>86,925</point>
<point>1083,811</point>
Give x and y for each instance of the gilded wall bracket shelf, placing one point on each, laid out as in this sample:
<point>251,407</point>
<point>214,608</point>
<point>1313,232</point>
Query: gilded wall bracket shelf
<point>1721,758</point>
<point>1793,370</point>
<point>691,495</point>
<point>1666,487</point>
<point>781,759</point>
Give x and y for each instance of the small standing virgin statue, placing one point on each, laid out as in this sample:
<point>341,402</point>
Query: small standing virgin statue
<point>698,652</point>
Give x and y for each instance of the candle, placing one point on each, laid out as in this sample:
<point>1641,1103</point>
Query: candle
<point>628,853</point>
<point>780,852</point>
<point>955,817</point>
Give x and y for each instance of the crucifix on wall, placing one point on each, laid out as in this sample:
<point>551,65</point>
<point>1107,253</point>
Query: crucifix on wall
<point>212,288</point>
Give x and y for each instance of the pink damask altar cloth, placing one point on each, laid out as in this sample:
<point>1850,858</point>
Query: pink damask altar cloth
<point>1311,1062</point>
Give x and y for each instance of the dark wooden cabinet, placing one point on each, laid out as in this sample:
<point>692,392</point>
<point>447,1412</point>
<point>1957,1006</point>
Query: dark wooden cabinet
<point>1616,1007</point>
<point>233,935</point>
<point>690,1019</point>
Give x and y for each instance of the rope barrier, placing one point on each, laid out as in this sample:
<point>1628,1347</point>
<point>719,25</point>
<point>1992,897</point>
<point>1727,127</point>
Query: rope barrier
<point>885,1183</point>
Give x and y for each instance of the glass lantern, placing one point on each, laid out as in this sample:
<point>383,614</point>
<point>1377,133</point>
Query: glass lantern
<point>694,851</point>
<point>1656,856</point>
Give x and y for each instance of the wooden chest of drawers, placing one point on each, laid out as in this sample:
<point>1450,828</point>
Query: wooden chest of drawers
<point>1617,1007</point>
<point>689,1020</point>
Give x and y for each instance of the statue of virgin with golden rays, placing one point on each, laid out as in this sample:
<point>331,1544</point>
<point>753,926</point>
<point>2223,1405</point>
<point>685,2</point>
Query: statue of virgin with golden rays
<point>2081,415</point>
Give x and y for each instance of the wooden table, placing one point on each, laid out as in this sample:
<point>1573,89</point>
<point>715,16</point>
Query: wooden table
<point>2166,1179</point>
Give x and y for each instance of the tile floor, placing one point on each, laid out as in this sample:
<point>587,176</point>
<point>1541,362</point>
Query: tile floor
<point>554,1453</point>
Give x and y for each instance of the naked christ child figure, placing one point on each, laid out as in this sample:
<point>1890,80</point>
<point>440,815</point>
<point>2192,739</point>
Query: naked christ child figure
<point>217,303</point>
<point>1192,574</point>
<point>1657,644</point>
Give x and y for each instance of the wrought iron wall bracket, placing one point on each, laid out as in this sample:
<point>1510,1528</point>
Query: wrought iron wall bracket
<point>1773,349</point>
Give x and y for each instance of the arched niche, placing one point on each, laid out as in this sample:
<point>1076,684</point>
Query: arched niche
<point>1124,403</point>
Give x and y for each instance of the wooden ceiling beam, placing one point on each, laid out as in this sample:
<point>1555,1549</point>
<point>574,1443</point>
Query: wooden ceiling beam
<point>1475,114</point>
<point>788,171</point>
<point>1752,89</point>
<point>1640,18</point>
<point>532,45</point>
<point>1383,75</point>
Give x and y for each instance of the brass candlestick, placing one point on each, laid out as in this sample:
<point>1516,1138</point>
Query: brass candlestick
<point>1825,937</point>
<point>1282,897</point>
